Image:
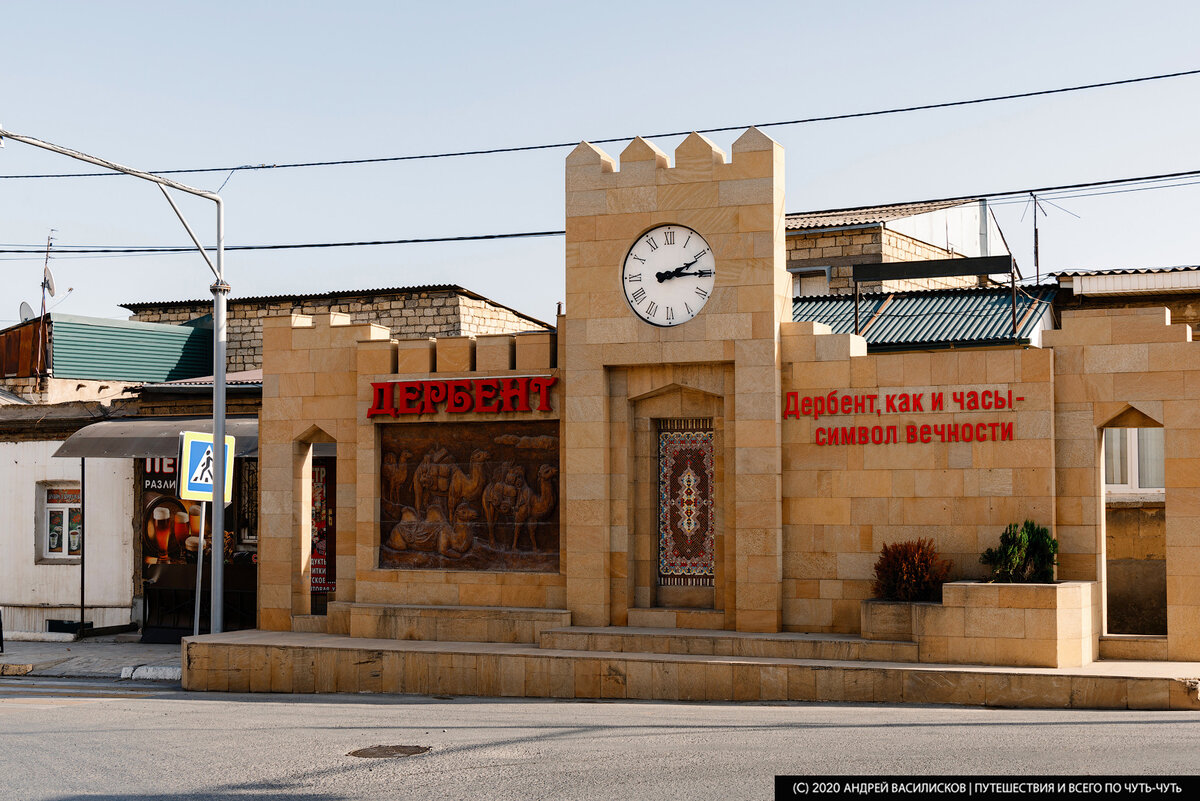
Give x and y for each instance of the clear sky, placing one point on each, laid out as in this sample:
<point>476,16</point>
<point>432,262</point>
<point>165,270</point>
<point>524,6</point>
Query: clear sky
<point>171,85</point>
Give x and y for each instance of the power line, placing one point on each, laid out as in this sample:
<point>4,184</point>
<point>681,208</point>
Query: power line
<point>424,240</point>
<point>1169,176</point>
<point>1092,189</point>
<point>609,140</point>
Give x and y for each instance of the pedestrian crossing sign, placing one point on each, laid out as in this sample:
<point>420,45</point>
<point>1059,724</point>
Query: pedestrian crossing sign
<point>196,466</point>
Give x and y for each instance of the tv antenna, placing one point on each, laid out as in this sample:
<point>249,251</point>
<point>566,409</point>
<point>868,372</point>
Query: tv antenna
<point>47,286</point>
<point>47,276</point>
<point>1036,203</point>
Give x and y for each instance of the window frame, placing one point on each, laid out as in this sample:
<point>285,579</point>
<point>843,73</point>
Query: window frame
<point>800,273</point>
<point>44,509</point>
<point>1132,485</point>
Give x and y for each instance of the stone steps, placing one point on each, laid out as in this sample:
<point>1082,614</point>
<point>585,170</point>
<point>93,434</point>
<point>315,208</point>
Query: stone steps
<point>677,618</point>
<point>293,662</point>
<point>499,624</point>
<point>783,645</point>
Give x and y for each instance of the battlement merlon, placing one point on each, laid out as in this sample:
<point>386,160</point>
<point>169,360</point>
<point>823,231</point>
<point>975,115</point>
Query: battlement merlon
<point>697,158</point>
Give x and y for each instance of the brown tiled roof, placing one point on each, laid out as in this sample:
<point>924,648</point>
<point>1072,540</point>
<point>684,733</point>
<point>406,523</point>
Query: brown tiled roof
<point>336,294</point>
<point>865,215</point>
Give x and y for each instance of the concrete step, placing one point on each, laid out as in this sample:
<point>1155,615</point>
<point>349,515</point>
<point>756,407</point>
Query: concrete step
<point>782,645</point>
<point>293,662</point>
<point>503,624</point>
<point>1134,647</point>
<point>677,618</point>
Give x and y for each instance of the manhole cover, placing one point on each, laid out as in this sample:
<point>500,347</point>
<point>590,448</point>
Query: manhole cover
<point>383,751</point>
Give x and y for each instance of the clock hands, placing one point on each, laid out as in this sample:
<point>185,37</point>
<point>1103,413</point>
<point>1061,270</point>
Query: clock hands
<point>681,271</point>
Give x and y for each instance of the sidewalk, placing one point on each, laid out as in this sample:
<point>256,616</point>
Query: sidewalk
<point>101,658</point>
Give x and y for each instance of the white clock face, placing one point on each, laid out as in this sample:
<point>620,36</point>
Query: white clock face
<point>668,275</point>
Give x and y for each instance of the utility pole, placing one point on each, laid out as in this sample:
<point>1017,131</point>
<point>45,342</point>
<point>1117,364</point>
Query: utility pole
<point>219,290</point>
<point>1036,268</point>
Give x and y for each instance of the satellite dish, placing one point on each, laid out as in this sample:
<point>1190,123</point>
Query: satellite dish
<point>26,312</point>
<point>48,282</point>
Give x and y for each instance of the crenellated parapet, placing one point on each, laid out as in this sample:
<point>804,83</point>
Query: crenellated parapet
<point>487,353</point>
<point>701,177</point>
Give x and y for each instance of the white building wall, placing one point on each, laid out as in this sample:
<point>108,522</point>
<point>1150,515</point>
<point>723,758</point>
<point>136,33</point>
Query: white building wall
<point>968,230</point>
<point>31,593</point>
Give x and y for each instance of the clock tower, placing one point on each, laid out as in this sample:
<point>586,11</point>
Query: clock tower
<point>676,290</point>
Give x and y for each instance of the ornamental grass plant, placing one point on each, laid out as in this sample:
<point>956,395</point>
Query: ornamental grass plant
<point>910,571</point>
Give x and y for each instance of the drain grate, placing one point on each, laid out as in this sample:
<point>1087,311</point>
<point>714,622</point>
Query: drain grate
<point>384,751</point>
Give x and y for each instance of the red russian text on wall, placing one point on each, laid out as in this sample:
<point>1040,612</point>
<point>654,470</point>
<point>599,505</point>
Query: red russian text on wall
<point>460,395</point>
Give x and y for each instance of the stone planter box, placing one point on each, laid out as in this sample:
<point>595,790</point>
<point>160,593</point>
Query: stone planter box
<point>889,620</point>
<point>1027,625</point>
<point>1031,625</point>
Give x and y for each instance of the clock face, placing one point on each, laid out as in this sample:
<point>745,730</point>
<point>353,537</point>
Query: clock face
<point>668,275</point>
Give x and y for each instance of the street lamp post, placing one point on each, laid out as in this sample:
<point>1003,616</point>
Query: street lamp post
<point>220,290</point>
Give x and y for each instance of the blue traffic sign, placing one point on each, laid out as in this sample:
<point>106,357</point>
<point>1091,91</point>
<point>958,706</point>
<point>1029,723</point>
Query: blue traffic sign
<point>196,466</point>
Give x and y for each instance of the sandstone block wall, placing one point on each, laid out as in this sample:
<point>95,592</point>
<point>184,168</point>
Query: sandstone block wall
<point>1129,368</point>
<point>317,380</point>
<point>843,502</point>
<point>841,250</point>
<point>444,358</point>
<point>309,396</point>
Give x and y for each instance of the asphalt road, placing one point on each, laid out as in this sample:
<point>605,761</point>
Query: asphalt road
<point>62,739</point>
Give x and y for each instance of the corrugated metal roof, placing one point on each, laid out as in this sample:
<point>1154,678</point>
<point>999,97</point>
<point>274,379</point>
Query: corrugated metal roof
<point>1145,281</point>
<point>935,318</point>
<point>1127,271</point>
<point>11,399</point>
<point>236,378</point>
<point>866,215</point>
<point>126,350</point>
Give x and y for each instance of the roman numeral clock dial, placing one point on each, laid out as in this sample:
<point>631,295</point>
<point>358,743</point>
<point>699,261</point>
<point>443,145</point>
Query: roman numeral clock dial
<point>668,275</point>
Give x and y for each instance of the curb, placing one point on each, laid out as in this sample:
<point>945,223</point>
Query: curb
<point>39,636</point>
<point>14,669</point>
<point>152,673</point>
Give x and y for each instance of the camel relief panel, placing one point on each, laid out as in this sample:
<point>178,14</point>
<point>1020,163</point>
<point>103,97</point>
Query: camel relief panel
<point>469,496</point>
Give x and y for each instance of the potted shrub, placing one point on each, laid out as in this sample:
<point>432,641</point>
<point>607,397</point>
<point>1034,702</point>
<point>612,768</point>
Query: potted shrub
<point>906,573</point>
<point>1025,555</point>
<point>1021,616</point>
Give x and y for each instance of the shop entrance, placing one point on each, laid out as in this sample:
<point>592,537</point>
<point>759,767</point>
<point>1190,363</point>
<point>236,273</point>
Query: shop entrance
<point>170,545</point>
<point>323,559</point>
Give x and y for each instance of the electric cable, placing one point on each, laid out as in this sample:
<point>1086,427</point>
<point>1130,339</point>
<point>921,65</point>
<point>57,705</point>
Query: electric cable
<point>424,240</point>
<point>1016,196</point>
<point>609,140</point>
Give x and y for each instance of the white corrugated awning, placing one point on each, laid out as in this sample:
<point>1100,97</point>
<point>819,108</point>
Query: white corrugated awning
<point>1142,282</point>
<point>137,438</point>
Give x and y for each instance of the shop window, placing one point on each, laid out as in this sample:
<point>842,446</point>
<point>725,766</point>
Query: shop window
<point>59,522</point>
<point>1133,460</point>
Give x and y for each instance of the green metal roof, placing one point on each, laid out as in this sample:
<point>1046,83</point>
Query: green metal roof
<point>125,350</point>
<point>940,318</point>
